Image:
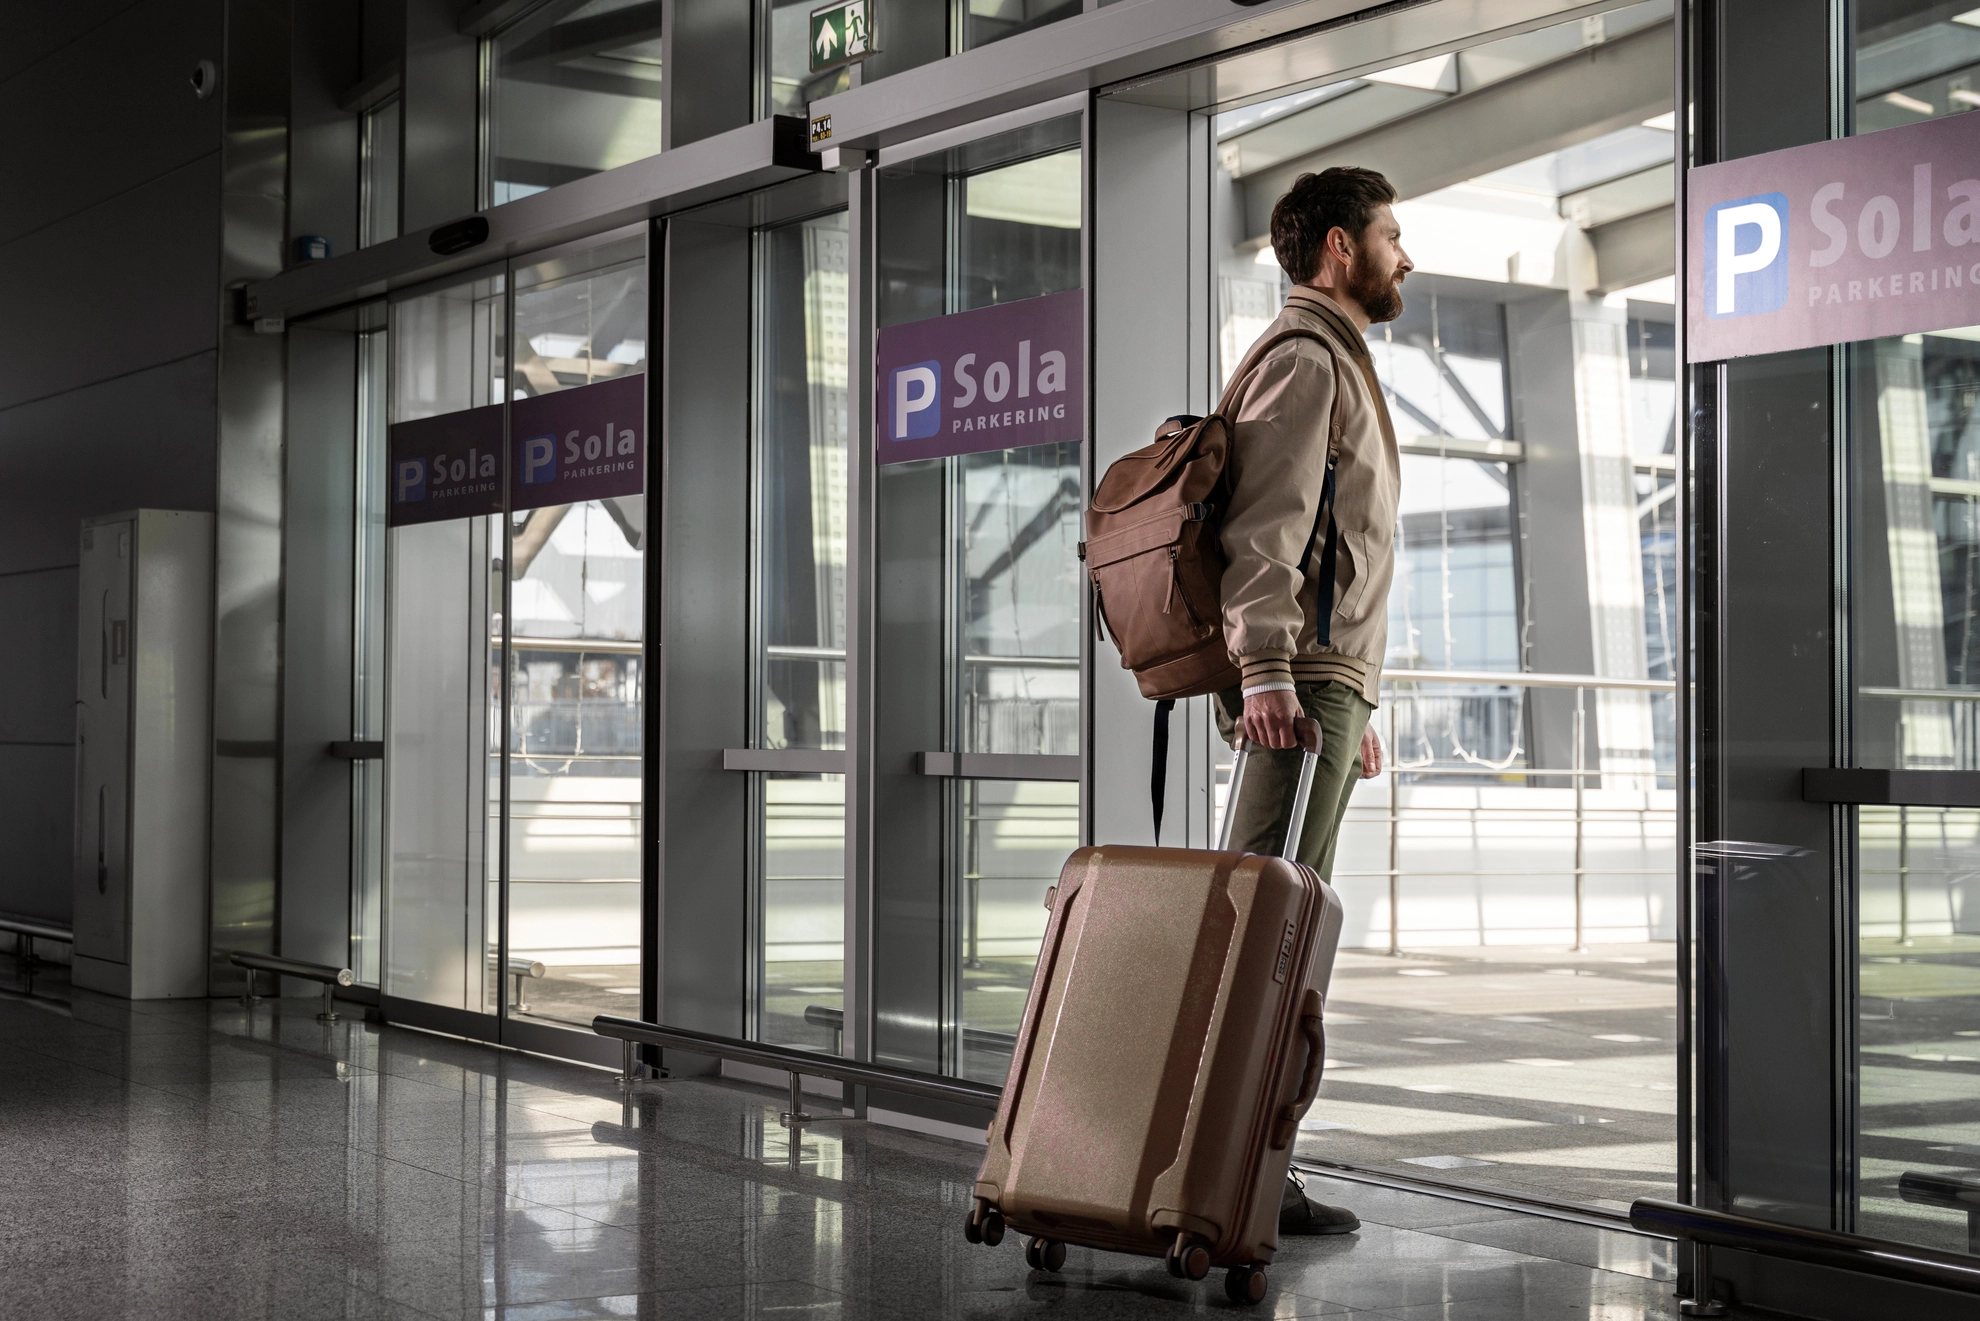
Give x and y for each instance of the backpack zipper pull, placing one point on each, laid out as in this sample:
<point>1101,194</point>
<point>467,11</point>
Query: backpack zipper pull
<point>1170,598</point>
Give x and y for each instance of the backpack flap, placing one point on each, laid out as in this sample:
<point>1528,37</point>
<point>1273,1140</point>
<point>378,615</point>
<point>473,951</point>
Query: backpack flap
<point>1160,527</point>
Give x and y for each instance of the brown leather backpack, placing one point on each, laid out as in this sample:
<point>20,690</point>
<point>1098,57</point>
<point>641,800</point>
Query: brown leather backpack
<point>1155,553</point>
<point>1154,547</point>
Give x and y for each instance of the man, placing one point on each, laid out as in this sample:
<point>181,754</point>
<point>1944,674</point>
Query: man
<point>1307,646</point>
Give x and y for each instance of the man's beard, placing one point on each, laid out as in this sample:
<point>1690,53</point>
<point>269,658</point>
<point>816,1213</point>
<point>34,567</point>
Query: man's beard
<point>1380,297</point>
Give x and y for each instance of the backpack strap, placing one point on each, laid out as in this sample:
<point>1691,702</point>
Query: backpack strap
<point>1330,551</point>
<point>1158,763</point>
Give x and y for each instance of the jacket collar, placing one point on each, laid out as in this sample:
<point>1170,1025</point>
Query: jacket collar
<point>1316,304</point>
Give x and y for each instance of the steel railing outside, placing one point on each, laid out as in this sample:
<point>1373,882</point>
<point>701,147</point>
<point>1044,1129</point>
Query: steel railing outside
<point>1578,773</point>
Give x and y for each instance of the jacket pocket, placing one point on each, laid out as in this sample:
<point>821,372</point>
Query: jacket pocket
<point>1352,595</point>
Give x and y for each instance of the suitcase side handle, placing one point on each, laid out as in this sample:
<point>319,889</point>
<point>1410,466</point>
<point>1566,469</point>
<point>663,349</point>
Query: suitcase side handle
<point>1307,731</point>
<point>1315,1032</point>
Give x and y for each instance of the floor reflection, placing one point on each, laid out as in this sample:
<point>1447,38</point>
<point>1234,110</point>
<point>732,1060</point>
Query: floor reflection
<point>204,1159</point>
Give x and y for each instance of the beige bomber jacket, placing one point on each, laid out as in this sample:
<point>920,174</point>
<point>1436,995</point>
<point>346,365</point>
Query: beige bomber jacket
<point>1281,422</point>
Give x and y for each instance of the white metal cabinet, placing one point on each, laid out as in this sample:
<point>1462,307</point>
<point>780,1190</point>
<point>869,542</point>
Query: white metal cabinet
<point>143,703</point>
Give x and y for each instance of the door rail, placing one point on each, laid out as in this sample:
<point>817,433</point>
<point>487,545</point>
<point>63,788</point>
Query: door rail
<point>797,1063</point>
<point>1820,1247</point>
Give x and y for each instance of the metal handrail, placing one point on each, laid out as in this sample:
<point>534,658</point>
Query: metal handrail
<point>1527,679</point>
<point>26,931</point>
<point>977,1038</point>
<point>797,1063</point>
<point>30,931</point>
<point>331,978</point>
<point>1821,1247</point>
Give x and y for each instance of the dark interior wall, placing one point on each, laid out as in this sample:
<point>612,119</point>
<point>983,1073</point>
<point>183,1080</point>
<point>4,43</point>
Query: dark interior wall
<point>109,253</point>
<point>323,138</point>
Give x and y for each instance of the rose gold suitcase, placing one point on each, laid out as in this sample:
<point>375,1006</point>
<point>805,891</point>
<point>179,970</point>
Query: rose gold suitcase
<point>1170,1047</point>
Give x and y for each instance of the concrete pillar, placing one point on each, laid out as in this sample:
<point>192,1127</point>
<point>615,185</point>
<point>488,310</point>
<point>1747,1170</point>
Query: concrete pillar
<point>1580,544</point>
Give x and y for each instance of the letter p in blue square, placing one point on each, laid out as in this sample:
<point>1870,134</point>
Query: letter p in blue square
<point>914,401</point>
<point>1746,256</point>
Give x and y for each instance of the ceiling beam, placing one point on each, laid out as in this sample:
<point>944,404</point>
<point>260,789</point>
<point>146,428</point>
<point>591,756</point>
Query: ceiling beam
<point>1592,92</point>
<point>1635,249</point>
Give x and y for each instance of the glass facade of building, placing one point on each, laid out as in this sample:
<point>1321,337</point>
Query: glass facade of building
<point>791,748</point>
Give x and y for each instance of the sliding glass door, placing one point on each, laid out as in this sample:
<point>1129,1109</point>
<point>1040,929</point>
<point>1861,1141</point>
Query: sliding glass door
<point>515,650</point>
<point>979,642</point>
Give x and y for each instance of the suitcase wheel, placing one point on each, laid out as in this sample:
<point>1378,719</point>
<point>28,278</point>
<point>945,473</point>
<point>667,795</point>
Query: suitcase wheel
<point>1245,1284</point>
<point>1044,1254</point>
<point>985,1225</point>
<point>1188,1259</point>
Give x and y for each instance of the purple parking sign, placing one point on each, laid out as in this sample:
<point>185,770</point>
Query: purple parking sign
<point>1851,239</point>
<point>586,443</point>
<point>994,379</point>
<point>581,444</point>
<point>447,467</point>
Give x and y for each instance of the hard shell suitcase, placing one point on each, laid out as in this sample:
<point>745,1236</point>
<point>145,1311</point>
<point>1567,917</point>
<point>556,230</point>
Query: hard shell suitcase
<point>1172,1042</point>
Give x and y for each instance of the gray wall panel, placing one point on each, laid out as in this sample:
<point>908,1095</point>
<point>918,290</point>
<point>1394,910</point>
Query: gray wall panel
<point>704,821</point>
<point>30,33</point>
<point>709,85</point>
<point>442,82</point>
<point>323,139</point>
<point>127,115</point>
<point>1141,374</point>
<point>36,701</point>
<point>123,286</point>
<point>317,550</point>
<point>37,739</point>
<point>37,784</point>
<point>144,439</point>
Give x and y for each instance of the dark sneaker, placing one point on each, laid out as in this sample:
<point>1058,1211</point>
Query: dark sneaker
<point>1300,1214</point>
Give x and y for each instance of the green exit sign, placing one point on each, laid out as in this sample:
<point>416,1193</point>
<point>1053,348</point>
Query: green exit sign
<point>840,34</point>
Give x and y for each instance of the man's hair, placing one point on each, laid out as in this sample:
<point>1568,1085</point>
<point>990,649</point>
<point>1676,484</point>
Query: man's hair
<point>1345,195</point>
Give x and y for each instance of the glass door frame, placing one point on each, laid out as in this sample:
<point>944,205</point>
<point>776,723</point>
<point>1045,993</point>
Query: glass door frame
<point>500,1025</point>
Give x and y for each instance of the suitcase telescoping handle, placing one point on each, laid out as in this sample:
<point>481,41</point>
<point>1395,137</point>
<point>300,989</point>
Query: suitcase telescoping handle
<point>1307,731</point>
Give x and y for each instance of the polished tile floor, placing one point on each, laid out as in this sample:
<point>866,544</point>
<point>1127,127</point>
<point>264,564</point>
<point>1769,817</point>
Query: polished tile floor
<point>190,1160</point>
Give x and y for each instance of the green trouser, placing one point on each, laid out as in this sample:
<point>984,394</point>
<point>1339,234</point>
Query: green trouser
<point>1265,799</point>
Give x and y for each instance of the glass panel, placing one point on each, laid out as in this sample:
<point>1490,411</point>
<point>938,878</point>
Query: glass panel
<point>804,892</point>
<point>378,214</point>
<point>1918,707</point>
<point>790,86</point>
<point>448,353</point>
<point>573,88</point>
<point>996,535</point>
<point>799,584</point>
<point>801,457</point>
<point>1919,1023</point>
<point>1915,60</point>
<point>1521,841</point>
<point>985,21</point>
<point>368,656</point>
<point>577,666</point>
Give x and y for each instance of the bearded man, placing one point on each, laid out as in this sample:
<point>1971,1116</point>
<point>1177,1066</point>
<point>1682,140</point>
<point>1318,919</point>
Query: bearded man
<point>1309,535</point>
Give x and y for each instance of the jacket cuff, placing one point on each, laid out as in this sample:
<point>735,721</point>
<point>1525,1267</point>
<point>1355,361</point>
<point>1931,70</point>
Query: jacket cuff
<point>1265,667</point>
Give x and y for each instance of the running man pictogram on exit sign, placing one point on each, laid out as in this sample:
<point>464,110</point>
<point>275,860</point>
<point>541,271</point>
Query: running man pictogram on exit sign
<point>840,34</point>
